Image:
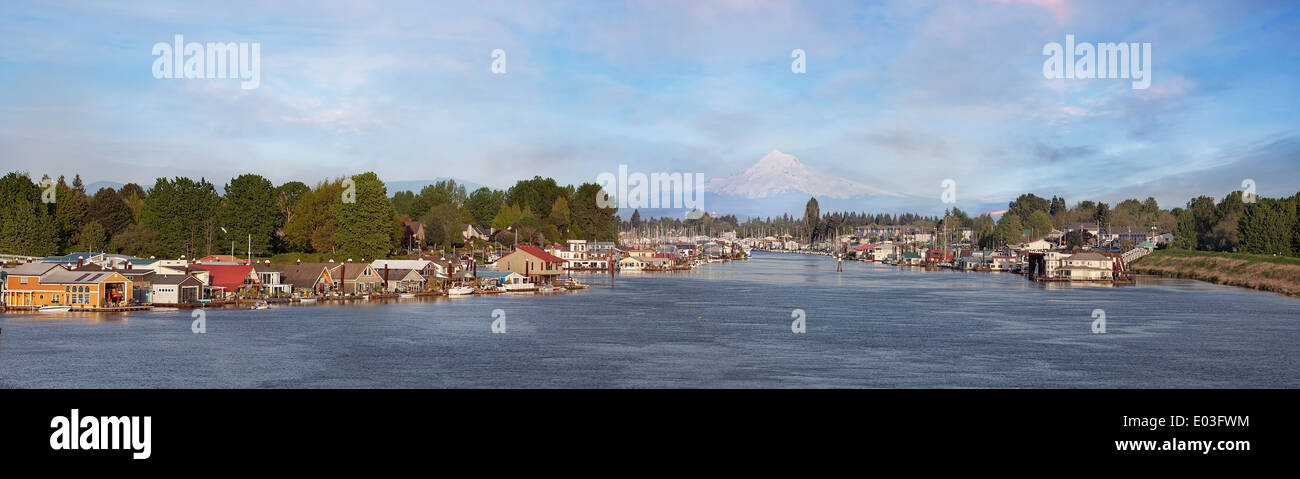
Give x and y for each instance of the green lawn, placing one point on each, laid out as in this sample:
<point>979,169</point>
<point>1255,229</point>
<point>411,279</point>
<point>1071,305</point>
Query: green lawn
<point>1249,258</point>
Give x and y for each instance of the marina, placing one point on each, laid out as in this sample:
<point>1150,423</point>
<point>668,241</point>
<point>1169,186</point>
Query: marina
<point>722,325</point>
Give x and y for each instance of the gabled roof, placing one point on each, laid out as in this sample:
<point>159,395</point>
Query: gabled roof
<point>228,276</point>
<point>302,275</point>
<point>400,264</point>
<point>75,277</point>
<point>538,253</point>
<point>400,274</point>
<point>32,269</point>
<point>175,279</point>
<point>222,258</point>
<point>497,274</point>
<point>1087,256</point>
<point>351,271</point>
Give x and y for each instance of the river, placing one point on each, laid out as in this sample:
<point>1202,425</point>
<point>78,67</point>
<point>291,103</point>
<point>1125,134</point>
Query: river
<point>723,325</point>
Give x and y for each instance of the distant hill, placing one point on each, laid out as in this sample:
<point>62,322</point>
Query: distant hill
<point>415,186</point>
<point>93,187</point>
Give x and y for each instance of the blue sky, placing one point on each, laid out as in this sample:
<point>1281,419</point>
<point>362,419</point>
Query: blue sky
<point>898,95</point>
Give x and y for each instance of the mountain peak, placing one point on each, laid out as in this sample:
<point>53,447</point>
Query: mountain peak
<point>778,172</point>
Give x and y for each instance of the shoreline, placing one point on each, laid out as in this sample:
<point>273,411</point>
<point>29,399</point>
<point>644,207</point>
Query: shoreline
<point>1273,274</point>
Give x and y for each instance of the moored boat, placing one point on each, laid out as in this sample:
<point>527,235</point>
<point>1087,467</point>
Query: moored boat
<point>54,309</point>
<point>460,291</point>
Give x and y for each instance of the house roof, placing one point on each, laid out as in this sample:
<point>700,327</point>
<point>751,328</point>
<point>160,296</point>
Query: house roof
<point>538,253</point>
<point>73,257</point>
<point>301,275</point>
<point>398,274</point>
<point>400,264</point>
<point>75,277</point>
<point>497,274</point>
<point>1087,256</point>
<point>351,271</point>
<point>176,279</point>
<point>228,276</point>
<point>32,269</point>
<point>222,258</point>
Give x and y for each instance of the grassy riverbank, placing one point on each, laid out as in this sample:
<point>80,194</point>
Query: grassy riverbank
<point>1268,273</point>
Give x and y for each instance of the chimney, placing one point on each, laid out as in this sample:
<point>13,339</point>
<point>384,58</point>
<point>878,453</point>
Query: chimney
<point>80,261</point>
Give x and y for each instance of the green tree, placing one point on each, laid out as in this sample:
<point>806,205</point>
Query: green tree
<point>183,211</point>
<point>1268,226</point>
<point>442,226</point>
<point>442,192</point>
<point>70,210</point>
<point>484,204</point>
<point>559,216</point>
<point>138,240</point>
<point>596,223</point>
<point>109,210</point>
<point>250,213</point>
<point>310,224</point>
<point>26,226</point>
<point>1008,229</point>
<point>133,195</point>
<point>635,221</point>
<point>92,238</point>
<point>811,218</point>
<point>538,193</point>
<point>363,226</point>
<point>1039,224</point>
<point>1026,204</point>
<point>1185,235</point>
<point>983,231</point>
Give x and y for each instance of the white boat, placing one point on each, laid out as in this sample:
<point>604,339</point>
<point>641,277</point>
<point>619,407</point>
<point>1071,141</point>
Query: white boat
<point>406,295</point>
<point>460,291</point>
<point>54,309</point>
<point>307,300</point>
<point>260,305</point>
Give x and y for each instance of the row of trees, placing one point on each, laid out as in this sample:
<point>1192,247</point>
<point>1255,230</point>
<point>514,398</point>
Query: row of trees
<point>536,210</point>
<point>1262,226</point>
<point>352,216</point>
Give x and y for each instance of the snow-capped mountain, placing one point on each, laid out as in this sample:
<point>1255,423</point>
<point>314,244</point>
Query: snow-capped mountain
<point>777,173</point>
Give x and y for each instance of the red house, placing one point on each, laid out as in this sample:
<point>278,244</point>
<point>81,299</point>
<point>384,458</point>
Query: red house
<point>230,278</point>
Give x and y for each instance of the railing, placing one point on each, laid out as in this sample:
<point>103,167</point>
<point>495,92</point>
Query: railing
<point>1135,254</point>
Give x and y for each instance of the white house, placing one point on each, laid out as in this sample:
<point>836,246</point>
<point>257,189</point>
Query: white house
<point>175,289</point>
<point>1087,266</point>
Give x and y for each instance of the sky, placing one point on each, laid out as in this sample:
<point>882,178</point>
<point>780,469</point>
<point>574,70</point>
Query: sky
<point>896,95</point>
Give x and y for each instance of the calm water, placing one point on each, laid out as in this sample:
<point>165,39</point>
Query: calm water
<point>723,325</point>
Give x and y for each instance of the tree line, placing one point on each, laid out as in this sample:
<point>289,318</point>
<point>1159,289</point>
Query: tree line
<point>351,216</point>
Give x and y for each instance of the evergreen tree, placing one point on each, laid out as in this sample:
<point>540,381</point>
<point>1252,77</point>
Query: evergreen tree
<point>362,226</point>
